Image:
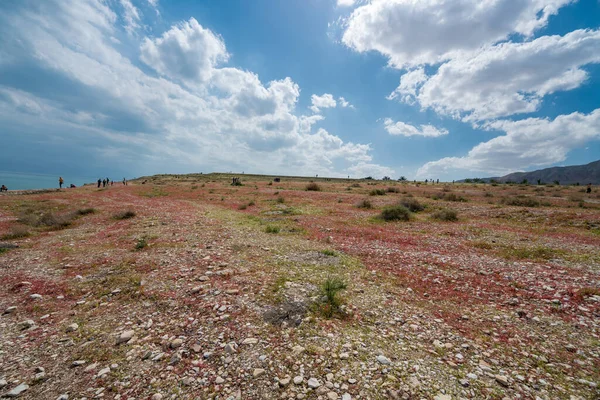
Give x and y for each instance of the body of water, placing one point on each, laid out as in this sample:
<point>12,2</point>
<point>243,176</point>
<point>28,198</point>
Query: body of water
<point>25,181</point>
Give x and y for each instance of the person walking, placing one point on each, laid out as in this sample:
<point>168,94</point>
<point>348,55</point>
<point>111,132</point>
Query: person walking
<point>99,182</point>
<point>60,182</point>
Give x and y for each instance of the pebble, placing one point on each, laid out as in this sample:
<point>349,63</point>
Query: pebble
<point>346,396</point>
<point>501,379</point>
<point>63,396</point>
<point>26,324</point>
<point>103,372</point>
<point>219,380</point>
<point>77,363</point>
<point>16,392</point>
<point>298,380</point>
<point>35,296</point>
<point>175,344</point>
<point>125,336</point>
<point>157,396</point>
<point>73,327</point>
<point>332,395</point>
<point>10,310</point>
<point>284,382</point>
<point>258,372</point>
<point>250,341</point>
<point>313,383</point>
<point>383,360</point>
<point>442,397</point>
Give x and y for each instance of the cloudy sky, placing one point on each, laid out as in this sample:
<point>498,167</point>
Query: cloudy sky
<point>441,89</point>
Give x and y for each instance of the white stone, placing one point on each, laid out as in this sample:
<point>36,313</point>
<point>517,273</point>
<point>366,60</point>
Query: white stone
<point>313,383</point>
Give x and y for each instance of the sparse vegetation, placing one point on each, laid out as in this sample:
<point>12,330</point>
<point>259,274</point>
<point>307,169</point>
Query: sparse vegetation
<point>17,232</point>
<point>520,201</point>
<point>412,204</point>
<point>313,187</point>
<point>377,192</point>
<point>445,215</point>
<point>366,203</point>
<point>272,229</point>
<point>124,215</point>
<point>142,243</point>
<point>328,252</point>
<point>86,211</point>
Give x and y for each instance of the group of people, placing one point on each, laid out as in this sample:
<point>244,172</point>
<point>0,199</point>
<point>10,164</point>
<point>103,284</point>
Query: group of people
<point>107,182</point>
<point>3,188</point>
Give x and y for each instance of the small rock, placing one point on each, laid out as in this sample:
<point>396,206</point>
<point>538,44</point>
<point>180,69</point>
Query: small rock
<point>175,344</point>
<point>26,324</point>
<point>103,372</point>
<point>35,296</point>
<point>464,382</point>
<point>10,310</point>
<point>284,382</point>
<point>156,396</point>
<point>16,392</point>
<point>219,380</point>
<point>503,380</point>
<point>77,363</point>
<point>313,383</point>
<point>63,396</point>
<point>258,372</point>
<point>298,380</point>
<point>332,396</point>
<point>383,360</point>
<point>250,341</point>
<point>3,383</point>
<point>442,397</point>
<point>73,327</point>
<point>125,336</point>
<point>346,396</point>
<point>344,356</point>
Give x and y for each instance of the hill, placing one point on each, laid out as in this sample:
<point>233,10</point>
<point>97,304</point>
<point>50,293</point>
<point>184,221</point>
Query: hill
<point>583,174</point>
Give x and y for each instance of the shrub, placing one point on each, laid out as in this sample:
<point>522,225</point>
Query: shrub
<point>86,211</point>
<point>395,213</point>
<point>445,215</point>
<point>280,200</point>
<point>488,194</point>
<point>355,185</point>
<point>328,252</point>
<point>452,197</point>
<point>412,204</point>
<point>242,206</point>
<point>588,292</point>
<point>313,186</point>
<point>366,203</point>
<point>272,229</point>
<point>482,245</point>
<point>124,215</point>
<point>393,190</point>
<point>377,192</point>
<point>55,221</point>
<point>142,243</point>
<point>520,202</point>
<point>251,203</point>
<point>330,290</point>
<point>17,232</point>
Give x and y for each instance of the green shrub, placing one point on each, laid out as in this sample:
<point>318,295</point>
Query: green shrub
<point>329,253</point>
<point>280,200</point>
<point>17,232</point>
<point>86,211</point>
<point>377,192</point>
<point>393,190</point>
<point>313,187</point>
<point>272,229</point>
<point>330,290</point>
<point>242,206</point>
<point>445,215</point>
<point>395,213</point>
<point>142,243</point>
<point>412,204</point>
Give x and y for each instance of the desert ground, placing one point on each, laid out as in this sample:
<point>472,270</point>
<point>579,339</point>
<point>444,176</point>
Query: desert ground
<point>187,287</point>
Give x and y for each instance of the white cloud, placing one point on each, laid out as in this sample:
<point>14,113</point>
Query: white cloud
<point>324,101</point>
<point>363,170</point>
<point>532,142</point>
<point>506,79</point>
<point>345,3</point>
<point>412,33</point>
<point>222,118</point>
<point>345,103</point>
<point>401,129</point>
<point>187,52</point>
<point>131,16</point>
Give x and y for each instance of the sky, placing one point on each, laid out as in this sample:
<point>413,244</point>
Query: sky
<point>426,89</point>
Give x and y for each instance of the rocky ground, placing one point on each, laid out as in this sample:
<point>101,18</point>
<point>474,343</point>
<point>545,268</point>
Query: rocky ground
<point>211,291</point>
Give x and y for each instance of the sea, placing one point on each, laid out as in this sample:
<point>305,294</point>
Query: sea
<point>28,181</point>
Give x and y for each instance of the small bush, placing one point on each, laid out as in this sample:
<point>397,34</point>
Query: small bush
<point>142,243</point>
<point>251,203</point>
<point>313,187</point>
<point>395,213</point>
<point>445,215</point>
<point>377,192</point>
<point>355,185</point>
<point>280,200</point>
<point>330,290</point>
<point>124,215</point>
<point>393,190</point>
<point>272,229</point>
<point>588,292</point>
<point>242,206</point>
<point>17,232</point>
<point>86,211</point>
<point>488,194</point>
<point>452,197</point>
<point>54,221</point>
<point>520,202</point>
<point>412,204</point>
<point>482,245</point>
<point>366,203</point>
<point>330,253</point>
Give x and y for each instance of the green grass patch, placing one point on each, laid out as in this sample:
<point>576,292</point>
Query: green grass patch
<point>272,229</point>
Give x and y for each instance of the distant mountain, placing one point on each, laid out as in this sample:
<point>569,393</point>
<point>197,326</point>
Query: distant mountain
<point>584,174</point>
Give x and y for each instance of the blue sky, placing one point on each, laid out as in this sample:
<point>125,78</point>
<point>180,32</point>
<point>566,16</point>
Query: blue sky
<point>441,89</point>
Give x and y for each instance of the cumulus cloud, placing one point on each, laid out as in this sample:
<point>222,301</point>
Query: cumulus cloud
<point>532,142</point>
<point>324,101</point>
<point>402,129</point>
<point>187,52</point>
<point>412,33</point>
<point>345,3</point>
<point>503,80</point>
<point>345,103</point>
<point>195,114</point>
